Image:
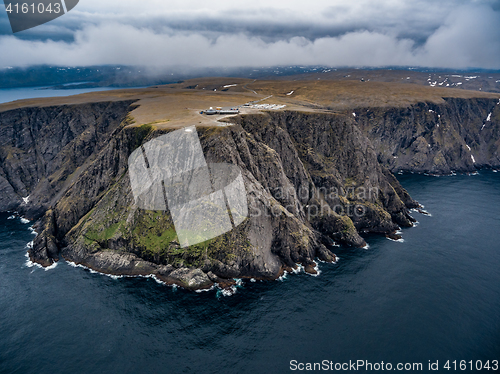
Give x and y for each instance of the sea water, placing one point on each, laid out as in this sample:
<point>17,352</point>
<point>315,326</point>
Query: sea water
<point>433,297</point>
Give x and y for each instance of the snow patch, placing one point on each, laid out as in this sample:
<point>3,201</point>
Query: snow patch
<point>488,119</point>
<point>473,159</point>
<point>229,85</point>
<point>467,147</point>
<point>26,199</point>
<point>290,93</point>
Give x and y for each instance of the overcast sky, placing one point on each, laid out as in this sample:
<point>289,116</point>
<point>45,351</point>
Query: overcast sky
<point>220,33</point>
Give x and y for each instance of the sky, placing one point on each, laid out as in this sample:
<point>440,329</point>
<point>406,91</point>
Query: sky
<point>158,34</point>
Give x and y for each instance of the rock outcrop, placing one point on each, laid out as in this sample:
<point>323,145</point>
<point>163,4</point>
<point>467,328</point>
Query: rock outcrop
<point>312,179</point>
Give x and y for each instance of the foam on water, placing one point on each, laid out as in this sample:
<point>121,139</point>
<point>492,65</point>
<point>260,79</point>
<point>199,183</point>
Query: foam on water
<point>31,264</point>
<point>116,277</point>
<point>12,217</point>
<point>283,277</point>
<point>24,220</point>
<point>299,269</point>
<point>226,291</point>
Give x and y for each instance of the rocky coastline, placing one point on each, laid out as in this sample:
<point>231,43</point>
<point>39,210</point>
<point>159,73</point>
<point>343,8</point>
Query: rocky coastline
<point>312,179</point>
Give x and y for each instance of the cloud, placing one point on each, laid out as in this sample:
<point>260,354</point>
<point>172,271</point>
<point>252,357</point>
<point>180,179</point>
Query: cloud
<point>418,33</point>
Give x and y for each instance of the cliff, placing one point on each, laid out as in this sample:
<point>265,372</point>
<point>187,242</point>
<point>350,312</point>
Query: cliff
<point>459,135</point>
<point>312,179</point>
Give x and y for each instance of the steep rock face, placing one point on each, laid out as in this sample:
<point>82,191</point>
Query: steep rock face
<point>461,135</point>
<point>43,149</point>
<point>310,179</point>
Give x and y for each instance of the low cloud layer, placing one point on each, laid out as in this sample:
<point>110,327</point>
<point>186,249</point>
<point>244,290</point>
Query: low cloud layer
<point>447,34</point>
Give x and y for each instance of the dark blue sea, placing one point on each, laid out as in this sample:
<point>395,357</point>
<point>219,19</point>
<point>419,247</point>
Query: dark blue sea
<point>435,296</point>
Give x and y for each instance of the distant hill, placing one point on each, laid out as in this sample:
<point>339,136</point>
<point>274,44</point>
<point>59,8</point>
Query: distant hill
<point>128,76</point>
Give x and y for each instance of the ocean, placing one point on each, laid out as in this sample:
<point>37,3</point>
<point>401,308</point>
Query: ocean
<point>12,94</point>
<point>433,297</point>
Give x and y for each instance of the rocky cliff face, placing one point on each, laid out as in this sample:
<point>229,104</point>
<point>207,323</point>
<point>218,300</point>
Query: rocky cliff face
<point>311,180</point>
<point>461,135</point>
<point>42,150</point>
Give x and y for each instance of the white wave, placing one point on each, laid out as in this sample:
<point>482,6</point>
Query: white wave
<point>227,291</point>
<point>75,265</point>
<point>204,290</point>
<point>397,240</point>
<point>367,246</point>
<point>53,266</point>
<point>31,264</point>
<point>24,220</point>
<point>495,171</point>
<point>156,279</point>
<point>253,280</point>
<point>283,277</point>
<point>12,217</point>
<point>299,269</point>
<point>32,230</point>
<point>113,276</point>
<point>239,282</point>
